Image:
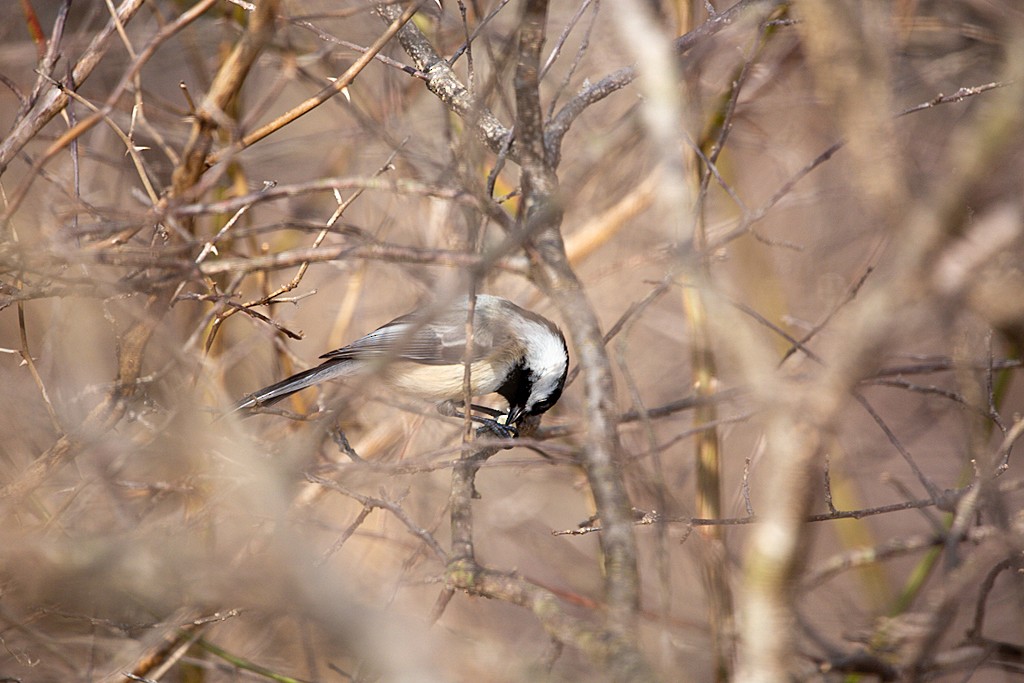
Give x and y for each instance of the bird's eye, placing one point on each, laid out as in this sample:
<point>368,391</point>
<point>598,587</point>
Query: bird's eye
<point>541,406</point>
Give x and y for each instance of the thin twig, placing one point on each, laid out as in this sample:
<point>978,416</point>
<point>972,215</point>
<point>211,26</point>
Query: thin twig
<point>384,504</point>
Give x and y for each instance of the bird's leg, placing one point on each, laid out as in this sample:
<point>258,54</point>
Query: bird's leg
<point>496,428</point>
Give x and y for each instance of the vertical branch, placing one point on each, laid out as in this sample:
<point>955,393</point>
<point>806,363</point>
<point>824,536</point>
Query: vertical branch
<point>542,215</point>
<point>681,195</point>
<point>708,465</point>
<point>705,375</point>
<point>460,501</point>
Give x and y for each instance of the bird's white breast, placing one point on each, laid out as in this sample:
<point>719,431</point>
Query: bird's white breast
<point>443,382</point>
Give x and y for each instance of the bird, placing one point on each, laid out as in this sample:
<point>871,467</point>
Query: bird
<point>517,354</point>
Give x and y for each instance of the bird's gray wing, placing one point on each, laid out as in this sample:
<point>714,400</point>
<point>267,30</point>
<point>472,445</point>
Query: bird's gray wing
<point>439,341</point>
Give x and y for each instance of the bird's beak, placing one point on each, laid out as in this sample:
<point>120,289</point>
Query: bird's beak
<point>515,414</point>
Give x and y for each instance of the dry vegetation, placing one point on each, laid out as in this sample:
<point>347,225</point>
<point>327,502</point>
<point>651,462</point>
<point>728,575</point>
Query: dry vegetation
<point>786,248</point>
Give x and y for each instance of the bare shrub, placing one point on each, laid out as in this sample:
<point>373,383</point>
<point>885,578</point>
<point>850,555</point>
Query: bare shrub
<point>783,239</point>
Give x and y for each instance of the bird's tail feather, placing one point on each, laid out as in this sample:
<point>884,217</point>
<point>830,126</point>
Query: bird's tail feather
<point>268,396</point>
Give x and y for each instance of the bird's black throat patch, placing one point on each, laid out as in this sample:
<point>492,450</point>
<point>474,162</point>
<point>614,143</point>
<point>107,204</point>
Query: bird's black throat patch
<point>517,387</point>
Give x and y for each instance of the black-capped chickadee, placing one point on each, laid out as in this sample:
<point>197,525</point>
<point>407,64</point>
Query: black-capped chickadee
<point>517,354</point>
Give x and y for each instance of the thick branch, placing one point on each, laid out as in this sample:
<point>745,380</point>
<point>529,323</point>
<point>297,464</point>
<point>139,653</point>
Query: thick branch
<point>543,216</point>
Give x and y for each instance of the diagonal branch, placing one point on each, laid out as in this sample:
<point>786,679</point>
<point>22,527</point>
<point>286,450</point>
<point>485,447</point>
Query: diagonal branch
<point>55,98</point>
<point>442,81</point>
<point>226,86</point>
<point>592,93</point>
